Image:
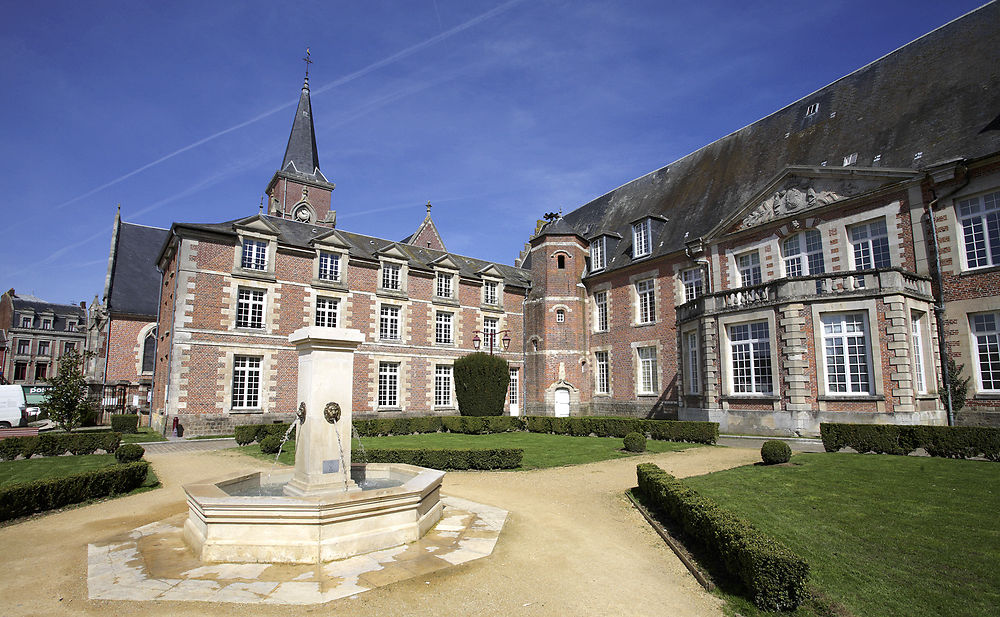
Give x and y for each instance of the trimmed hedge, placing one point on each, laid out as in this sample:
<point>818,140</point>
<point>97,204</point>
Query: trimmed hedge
<point>29,497</point>
<point>129,453</point>
<point>481,382</point>
<point>125,423</point>
<point>498,458</point>
<point>49,444</point>
<point>635,442</point>
<point>661,430</point>
<point>270,444</point>
<point>774,576</point>
<point>941,441</point>
<point>774,452</point>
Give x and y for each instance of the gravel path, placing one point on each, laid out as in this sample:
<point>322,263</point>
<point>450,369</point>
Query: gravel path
<point>572,545</point>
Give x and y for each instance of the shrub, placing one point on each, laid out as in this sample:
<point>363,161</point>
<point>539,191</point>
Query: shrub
<point>83,443</point>
<point>959,385</point>
<point>661,430</point>
<point>481,382</point>
<point>129,453</point>
<point>10,448</point>
<point>774,576</point>
<point>125,423</point>
<point>270,444</point>
<point>635,442</point>
<point>110,442</point>
<point>774,451</point>
<point>942,441</point>
<point>246,434</point>
<point>30,497</point>
<point>497,458</point>
<point>51,445</point>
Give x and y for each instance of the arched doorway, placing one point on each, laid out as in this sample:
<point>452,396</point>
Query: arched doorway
<point>562,402</point>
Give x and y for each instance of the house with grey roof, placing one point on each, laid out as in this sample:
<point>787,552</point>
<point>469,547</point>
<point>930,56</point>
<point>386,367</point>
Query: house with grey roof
<point>35,334</point>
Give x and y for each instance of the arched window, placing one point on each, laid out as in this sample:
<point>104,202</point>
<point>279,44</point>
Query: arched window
<point>149,352</point>
<point>803,253</point>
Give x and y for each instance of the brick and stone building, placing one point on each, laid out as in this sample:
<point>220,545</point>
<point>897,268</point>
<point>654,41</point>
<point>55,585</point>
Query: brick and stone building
<point>37,334</point>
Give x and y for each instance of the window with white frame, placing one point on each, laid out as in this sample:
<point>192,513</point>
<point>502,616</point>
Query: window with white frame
<point>490,327</point>
<point>870,244</point>
<point>443,288</point>
<point>254,255</point>
<point>691,362</point>
<point>329,267</point>
<point>647,370</point>
<point>750,354</point>
<point>597,254</point>
<point>916,329</point>
<point>646,294</point>
<point>442,385</point>
<point>986,330</point>
<point>326,312</point>
<point>148,352</point>
<point>512,388</point>
<point>602,384</point>
<point>748,265</point>
<point>250,308</point>
<point>640,239</point>
<point>44,347</point>
<point>560,315</point>
<point>490,292</point>
<point>847,353</point>
<point>46,324</point>
<point>601,311</point>
<point>24,347</point>
<point>980,218</point>
<point>388,323</point>
<point>246,382</point>
<point>388,384</point>
<point>694,284</point>
<point>71,325</point>
<point>803,253</point>
<point>25,321</point>
<point>442,328</point>
<point>390,276</point>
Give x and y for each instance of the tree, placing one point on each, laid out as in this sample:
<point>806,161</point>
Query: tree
<point>481,382</point>
<point>959,385</point>
<point>68,404</point>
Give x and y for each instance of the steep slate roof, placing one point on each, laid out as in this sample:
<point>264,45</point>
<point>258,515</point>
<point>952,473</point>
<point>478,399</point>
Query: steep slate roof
<point>135,282</point>
<point>301,154</point>
<point>60,311</point>
<point>300,235</point>
<point>936,96</point>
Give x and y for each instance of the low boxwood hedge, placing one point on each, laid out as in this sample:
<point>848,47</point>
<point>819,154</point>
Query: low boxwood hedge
<point>774,576</point>
<point>942,441</point>
<point>125,423</point>
<point>662,430</point>
<point>496,458</point>
<point>29,497</point>
<point>50,444</point>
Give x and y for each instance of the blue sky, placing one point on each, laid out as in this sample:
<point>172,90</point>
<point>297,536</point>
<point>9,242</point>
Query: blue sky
<point>496,112</point>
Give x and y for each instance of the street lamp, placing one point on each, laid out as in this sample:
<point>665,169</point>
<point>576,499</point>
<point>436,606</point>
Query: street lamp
<point>491,336</point>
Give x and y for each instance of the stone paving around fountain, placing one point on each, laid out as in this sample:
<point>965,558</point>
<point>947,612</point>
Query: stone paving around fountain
<point>153,563</point>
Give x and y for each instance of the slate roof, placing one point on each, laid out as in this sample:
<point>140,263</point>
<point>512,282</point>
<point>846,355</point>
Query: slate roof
<point>59,311</point>
<point>135,281</point>
<point>937,96</point>
<point>301,154</point>
<point>300,235</point>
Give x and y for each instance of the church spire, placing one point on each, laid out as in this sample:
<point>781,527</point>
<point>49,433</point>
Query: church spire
<point>301,154</point>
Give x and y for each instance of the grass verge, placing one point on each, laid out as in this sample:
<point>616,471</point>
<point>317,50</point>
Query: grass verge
<point>145,434</point>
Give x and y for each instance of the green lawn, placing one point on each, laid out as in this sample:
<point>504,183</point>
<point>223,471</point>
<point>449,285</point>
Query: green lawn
<point>540,450</point>
<point>145,434</point>
<point>27,470</point>
<point>884,535</point>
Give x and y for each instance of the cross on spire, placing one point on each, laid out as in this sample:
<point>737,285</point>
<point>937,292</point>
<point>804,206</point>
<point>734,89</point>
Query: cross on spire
<point>308,61</point>
<point>428,208</point>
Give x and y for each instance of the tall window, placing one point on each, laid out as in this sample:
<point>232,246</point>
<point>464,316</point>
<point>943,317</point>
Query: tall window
<point>71,326</point>
<point>20,371</point>
<point>490,326</point>
<point>326,312</point>
<point>750,348</point>
<point>920,379</point>
<point>647,370</point>
<point>254,255</point>
<point>640,239</point>
<point>691,362</point>
<point>647,301</point>
<point>442,386</point>
<point>46,324</point>
<point>513,387</point>
<point>442,328</point>
<point>694,285</point>
<point>24,346</point>
<point>148,352</point>
<point>870,242</point>
<point>25,321</point>
<point>985,329</point>
<point>70,346</point>
<point>44,347</point>
<point>597,254</point>
<point>41,371</point>
<point>388,323</point>
<point>749,266</point>
<point>443,289</point>
<point>490,292</point>
<point>846,353</point>
<point>246,382</point>
<point>388,384</point>
<point>601,311</point>
<point>560,315</point>
<point>390,276</point>
<point>250,308</point>
<point>329,267</point>
<point>603,385</point>
<point>803,253</point>
<point>981,229</point>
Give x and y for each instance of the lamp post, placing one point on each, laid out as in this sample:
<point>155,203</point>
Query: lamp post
<point>491,336</point>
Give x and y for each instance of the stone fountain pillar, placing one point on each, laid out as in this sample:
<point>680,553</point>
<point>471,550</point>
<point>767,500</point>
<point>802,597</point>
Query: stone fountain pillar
<point>326,387</point>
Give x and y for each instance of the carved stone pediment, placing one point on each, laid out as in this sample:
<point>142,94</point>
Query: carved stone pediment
<point>800,194</point>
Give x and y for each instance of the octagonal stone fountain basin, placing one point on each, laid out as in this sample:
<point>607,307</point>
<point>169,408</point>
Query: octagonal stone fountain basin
<point>238,519</point>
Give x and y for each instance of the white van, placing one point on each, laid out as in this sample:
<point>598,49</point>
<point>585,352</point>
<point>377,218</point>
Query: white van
<point>12,406</point>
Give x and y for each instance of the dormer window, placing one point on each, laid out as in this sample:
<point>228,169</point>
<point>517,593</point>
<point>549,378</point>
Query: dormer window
<point>46,324</point>
<point>25,321</point>
<point>71,326</point>
<point>329,266</point>
<point>597,253</point>
<point>443,285</point>
<point>812,109</point>
<point>490,292</point>
<point>640,238</point>
<point>254,255</point>
<point>390,276</point>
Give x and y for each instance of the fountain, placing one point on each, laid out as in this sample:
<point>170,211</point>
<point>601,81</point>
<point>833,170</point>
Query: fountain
<point>326,508</point>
